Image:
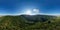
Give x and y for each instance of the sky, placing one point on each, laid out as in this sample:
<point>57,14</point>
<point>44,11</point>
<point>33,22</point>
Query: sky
<point>19,6</point>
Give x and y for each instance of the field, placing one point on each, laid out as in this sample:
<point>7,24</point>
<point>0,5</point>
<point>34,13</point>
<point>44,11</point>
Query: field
<point>27,22</point>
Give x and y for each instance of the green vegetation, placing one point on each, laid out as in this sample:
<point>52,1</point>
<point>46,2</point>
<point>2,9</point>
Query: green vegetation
<point>21,23</point>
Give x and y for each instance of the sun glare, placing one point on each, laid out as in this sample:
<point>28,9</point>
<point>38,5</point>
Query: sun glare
<point>31,12</point>
<point>28,12</point>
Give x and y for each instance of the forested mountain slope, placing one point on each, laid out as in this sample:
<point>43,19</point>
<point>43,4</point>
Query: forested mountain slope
<point>27,22</point>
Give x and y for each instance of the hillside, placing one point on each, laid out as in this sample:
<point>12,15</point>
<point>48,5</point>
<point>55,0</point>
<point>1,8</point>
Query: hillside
<point>27,22</point>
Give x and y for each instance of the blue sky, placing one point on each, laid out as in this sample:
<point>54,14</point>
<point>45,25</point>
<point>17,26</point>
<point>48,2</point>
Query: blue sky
<point>18,6</point>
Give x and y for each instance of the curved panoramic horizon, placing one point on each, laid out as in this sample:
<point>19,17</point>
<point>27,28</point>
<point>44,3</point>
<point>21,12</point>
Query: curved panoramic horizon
<point>29,7</point>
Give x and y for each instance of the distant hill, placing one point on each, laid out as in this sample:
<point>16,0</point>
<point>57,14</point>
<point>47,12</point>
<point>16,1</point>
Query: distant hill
<point>37,18</point>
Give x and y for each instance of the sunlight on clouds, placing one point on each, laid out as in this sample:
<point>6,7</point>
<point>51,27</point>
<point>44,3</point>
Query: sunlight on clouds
<point>31,12</point>
<point>35,11</point>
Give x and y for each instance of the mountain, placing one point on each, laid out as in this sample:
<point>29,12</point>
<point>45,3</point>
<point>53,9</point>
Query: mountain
<point>28,22</point>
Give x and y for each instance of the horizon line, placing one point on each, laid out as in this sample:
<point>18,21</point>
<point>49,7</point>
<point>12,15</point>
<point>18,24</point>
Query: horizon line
<point>29,14</point>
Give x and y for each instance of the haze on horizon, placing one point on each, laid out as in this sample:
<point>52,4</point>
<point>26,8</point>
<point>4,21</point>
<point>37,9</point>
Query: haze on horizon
<point>15,7</point>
